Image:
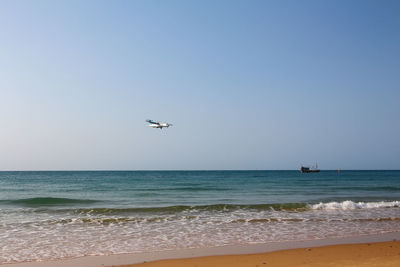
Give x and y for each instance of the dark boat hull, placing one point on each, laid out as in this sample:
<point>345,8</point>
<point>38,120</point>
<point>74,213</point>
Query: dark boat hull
<point>310,171</point>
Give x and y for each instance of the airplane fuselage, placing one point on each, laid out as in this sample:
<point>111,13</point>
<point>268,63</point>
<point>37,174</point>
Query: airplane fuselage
<point>160,126</point>
<point>154,124</point>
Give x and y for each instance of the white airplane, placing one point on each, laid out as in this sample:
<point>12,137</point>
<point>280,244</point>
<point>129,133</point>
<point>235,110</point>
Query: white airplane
<point>154,124</point>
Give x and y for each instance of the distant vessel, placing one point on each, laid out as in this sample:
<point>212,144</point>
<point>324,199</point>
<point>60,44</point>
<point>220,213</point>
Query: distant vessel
<point>304,169</point>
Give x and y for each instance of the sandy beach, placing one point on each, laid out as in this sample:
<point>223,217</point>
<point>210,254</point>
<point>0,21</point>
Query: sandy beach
<point>356,255</point>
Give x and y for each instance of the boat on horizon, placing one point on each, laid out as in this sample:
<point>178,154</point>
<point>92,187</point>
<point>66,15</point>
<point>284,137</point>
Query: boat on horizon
<point>305,169</point>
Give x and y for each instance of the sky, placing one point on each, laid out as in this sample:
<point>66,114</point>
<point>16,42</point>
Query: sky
<point>246,84</point>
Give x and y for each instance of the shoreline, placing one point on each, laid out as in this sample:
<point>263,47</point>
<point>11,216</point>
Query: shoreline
<point>136,258</point>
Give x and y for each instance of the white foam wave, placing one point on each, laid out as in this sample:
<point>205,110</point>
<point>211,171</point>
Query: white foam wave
<point>350,205</point>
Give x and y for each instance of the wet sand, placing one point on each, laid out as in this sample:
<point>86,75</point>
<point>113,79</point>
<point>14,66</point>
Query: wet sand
<point>355,255</point>
<point>369,250</point>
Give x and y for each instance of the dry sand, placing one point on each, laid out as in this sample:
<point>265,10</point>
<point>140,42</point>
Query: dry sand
<point>356,255</point>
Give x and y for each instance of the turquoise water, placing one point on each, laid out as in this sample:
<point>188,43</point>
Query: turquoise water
<point>52,215</point>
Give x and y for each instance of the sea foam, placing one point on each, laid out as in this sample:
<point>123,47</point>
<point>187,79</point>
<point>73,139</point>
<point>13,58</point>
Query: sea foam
<point>350,205</point>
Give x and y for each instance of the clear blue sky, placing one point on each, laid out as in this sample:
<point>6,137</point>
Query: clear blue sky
<point>247,84</point>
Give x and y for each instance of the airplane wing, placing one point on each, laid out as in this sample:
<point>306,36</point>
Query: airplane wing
<point>153,122</point>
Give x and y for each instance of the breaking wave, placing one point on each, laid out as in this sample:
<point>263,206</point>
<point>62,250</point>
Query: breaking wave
<point>47,204</point>
<point>350,205</point>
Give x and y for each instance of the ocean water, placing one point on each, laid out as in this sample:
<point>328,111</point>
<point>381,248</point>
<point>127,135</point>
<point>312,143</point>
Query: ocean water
<point>56,215</point>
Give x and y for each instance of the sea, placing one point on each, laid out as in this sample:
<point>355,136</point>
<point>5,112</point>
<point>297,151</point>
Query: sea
<point>48,215</point>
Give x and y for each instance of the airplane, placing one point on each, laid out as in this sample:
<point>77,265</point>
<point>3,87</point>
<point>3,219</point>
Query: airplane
<point>154,124</point>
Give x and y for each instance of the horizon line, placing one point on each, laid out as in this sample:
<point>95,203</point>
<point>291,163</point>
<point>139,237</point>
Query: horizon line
<point>132,170</point>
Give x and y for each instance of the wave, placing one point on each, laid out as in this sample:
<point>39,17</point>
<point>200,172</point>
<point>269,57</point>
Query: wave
<point>176,209</point>
<point>46,204</point>
<point>290,207</point>
<point>47,201</point>
<point>350,205</point>
<point>202,220</point>
<point>216,207</point>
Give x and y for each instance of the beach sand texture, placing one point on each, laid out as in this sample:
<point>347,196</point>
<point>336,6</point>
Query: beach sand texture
<point>356,255</point>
